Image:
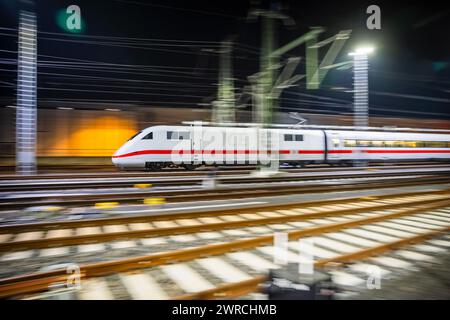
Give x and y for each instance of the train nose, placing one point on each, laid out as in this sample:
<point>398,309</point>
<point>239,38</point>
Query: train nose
<point>116,159</point>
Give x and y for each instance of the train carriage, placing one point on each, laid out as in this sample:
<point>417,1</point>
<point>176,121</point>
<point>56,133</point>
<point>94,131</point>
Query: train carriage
<point>189,146</point>
<point>387,146</point>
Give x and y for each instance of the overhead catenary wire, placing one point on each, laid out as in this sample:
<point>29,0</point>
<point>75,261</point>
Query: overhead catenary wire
<point>203,12</point>
<point>88,67</point>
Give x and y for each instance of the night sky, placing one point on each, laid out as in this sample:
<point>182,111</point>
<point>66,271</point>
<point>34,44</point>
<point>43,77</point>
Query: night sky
<point>164,53</point>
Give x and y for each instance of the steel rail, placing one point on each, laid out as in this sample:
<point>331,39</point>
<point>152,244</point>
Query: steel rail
<point>40,281</point>
<point>136,234</point>
<point>218,193</point>
<point>222,171</point>
<point>237,289</point>
<point>121,182</point>
<point>16,228</point>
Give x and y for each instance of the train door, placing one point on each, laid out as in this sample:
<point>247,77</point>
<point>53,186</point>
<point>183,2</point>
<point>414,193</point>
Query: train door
<point>269,148</point>
<point>196,145</point>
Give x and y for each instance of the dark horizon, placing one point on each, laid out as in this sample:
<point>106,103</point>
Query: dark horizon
<point>409,72</point>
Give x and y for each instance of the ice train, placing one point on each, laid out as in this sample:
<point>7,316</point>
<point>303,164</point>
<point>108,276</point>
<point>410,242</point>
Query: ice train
<point>189,146</point>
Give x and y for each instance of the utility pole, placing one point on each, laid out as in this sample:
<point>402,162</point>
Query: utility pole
<point>26,117</point>
<point>361,87</point>
<point>224,107</point>
<point>361,92</point>
<point>267,86</point>
<point>270,62</point>
<point>266,99</point>
<point>312,74</point>
<point>267,63</point>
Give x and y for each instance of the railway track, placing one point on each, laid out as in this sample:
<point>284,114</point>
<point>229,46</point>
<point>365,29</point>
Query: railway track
<point>255,284</point>
<point>137,196</point>
<point>200,172</point>
<point>217,268</point>
<point>52,234</point>
<point>61,184</point>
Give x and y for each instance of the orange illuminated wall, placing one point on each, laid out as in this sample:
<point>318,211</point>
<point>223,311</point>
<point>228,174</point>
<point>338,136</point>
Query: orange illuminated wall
<point>88,134</point>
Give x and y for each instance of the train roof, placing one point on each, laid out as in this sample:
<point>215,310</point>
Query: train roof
<point>317,127</point>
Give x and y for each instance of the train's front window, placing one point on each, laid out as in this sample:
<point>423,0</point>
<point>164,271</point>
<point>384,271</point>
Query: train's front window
<point>134,136</point>
<point>149,136</point>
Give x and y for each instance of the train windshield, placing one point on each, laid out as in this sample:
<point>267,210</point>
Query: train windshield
<point>134,136</point>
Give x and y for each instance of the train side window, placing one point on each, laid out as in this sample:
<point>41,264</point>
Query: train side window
<point>439,144</point>
<point>393,144</point>
<point>298,137</point>
<point>172,135</point>
<point>410,144</point>
<point>148,136</point>
<point>433,144</point>
<point>363,143</point>
<point>336,143</point>
<point>377,144</point>
<point>184,135</point>
<point>350,143</point>
<point>420,144</point>
<point>288,137</point>
<point>178,135</point>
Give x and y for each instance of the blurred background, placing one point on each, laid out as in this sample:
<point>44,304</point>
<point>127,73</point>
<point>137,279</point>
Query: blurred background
<point>140,63</point>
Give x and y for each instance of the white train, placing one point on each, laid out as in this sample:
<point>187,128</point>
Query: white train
<point>190,146</point>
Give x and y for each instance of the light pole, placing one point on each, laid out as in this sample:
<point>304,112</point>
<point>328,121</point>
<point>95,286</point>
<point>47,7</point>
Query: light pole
<point>361,86</point>
<point>361,94</point>
<point>26,94</point>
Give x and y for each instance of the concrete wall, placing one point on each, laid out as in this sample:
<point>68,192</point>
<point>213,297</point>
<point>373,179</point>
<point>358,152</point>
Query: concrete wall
<point>85,137</point>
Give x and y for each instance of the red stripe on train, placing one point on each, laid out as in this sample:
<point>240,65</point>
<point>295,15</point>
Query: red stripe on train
<point>407,151</point>
<point>340,151</point>
<point>143,152</point>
